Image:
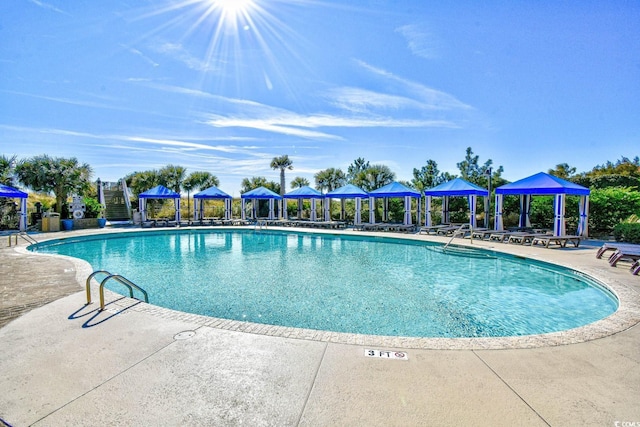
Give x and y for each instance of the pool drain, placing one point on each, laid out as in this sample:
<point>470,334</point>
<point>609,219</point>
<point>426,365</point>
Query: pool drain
<point>184,335</point>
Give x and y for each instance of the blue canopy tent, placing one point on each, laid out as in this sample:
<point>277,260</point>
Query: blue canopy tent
<point>455,187</point>
<point>158,192</point>
<point>14,193</point>
<point>260,193</point>
<point>544,184</point>
<point>301,193</point>
<point>394,190</point>
<point>348,191</point>
<point>211,193</point>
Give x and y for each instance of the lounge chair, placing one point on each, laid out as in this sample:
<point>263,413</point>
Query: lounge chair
<point>635,268</point>
<point>406,228</point>
<point>501,236</point>
<point>365,226</point>
<point>483,233</point>
<point>453,229</point>
<point>525,237</point>
<point>433,228</point>
<point>561,241</point>
<point>632,255</point>
<point>614,246</point>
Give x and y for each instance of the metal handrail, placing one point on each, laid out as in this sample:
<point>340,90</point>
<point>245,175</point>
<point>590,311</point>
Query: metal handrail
<point>117,277</point>
<point>23,235</point>
<point>88,283</point>
<point>453,236</point>
<point>128,283</point>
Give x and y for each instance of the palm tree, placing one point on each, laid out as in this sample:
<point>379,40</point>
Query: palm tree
<point>58,175</point>
<point>6,169</point>
<point>282,163</point>
<point>139,182</point>
<point>299,181</point>
<point>249,184</point>
<point>330,179</point>
<point>199,180</point>
<point>374,177</point>
<point>172,177</point>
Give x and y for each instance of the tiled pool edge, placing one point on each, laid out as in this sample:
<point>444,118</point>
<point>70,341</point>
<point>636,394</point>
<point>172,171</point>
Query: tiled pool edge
<point>627,315</point>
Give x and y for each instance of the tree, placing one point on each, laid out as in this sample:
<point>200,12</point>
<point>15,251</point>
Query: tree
<point>200,181</point>
<point>358,165</point>
<point>374,177</point>
<point>563,170</point>
<point>58,175</point>
<point>428,176</point>
<point>252,183</point>
<point>7,170</point>
<point>624,166</point>
<point>299,181</point>
<point>471,171</point>
<point>139,182</point>
<point>282,163</point>
<point>330,179</point>
<point>172,177</point>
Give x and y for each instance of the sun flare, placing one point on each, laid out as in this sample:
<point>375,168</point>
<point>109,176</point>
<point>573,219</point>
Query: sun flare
<point>233,13</point>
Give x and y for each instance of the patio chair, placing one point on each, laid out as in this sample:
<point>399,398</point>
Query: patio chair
<point>433,228</point>
<point>632,255</point>
<point>614,246</point>
<point>561,241</point>
<point>453,229</point>
<point>484,233</point>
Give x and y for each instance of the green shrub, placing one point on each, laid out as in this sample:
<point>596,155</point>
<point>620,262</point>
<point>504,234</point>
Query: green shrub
<point>606,181</point>
<point>93,207</point>
<point>610,206</point>
<point>627,232</point>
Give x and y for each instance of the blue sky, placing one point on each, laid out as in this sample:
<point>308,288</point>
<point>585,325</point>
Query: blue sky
<point>226,85</point>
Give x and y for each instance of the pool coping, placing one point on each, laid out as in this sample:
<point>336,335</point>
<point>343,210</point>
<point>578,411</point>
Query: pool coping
<point>627,315</point>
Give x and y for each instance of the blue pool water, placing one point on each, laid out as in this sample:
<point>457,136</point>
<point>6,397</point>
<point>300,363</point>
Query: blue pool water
<point>376,286</point>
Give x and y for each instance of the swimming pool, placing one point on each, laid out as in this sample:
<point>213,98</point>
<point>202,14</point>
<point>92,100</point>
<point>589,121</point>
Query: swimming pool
<point>340,283</point>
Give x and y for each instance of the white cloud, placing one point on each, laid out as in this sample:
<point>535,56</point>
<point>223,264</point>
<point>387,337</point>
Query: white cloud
<point>48,6</point>
<point>361,100</point>
<point>419,42</point>
<point>431,98</point>
<point>177,52</point>
<point>141,55</point>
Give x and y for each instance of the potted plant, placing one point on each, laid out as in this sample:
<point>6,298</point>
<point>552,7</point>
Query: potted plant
<point>102,221</point>
<point>67,224</point>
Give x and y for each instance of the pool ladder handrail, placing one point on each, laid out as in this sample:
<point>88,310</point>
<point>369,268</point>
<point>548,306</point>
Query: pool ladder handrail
<point>118,278</point>
<point>23,235</point>
<point>259,224</point>
<point>457,232</point>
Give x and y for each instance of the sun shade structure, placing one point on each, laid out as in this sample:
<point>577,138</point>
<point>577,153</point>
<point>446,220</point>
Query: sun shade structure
<point>455,187</point>
<point>260,193</point>
<point>394,190</point>
<point>348,191</point>
<point>543,184</point>
<point>302,193</point>
<point>211,193</point>
<point>158,192</point>
<point>14,193</point>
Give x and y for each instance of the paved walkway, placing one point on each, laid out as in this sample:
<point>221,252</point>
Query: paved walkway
<point>65,363</point>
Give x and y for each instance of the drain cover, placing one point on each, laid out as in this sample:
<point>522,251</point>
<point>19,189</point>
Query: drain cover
<point>184,335</point>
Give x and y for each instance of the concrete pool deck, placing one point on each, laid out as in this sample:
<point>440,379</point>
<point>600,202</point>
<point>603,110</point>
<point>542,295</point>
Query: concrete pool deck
<point>64,363</point>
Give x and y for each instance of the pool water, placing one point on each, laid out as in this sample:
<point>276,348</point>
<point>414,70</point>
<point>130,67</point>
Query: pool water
<point>378,286</point>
